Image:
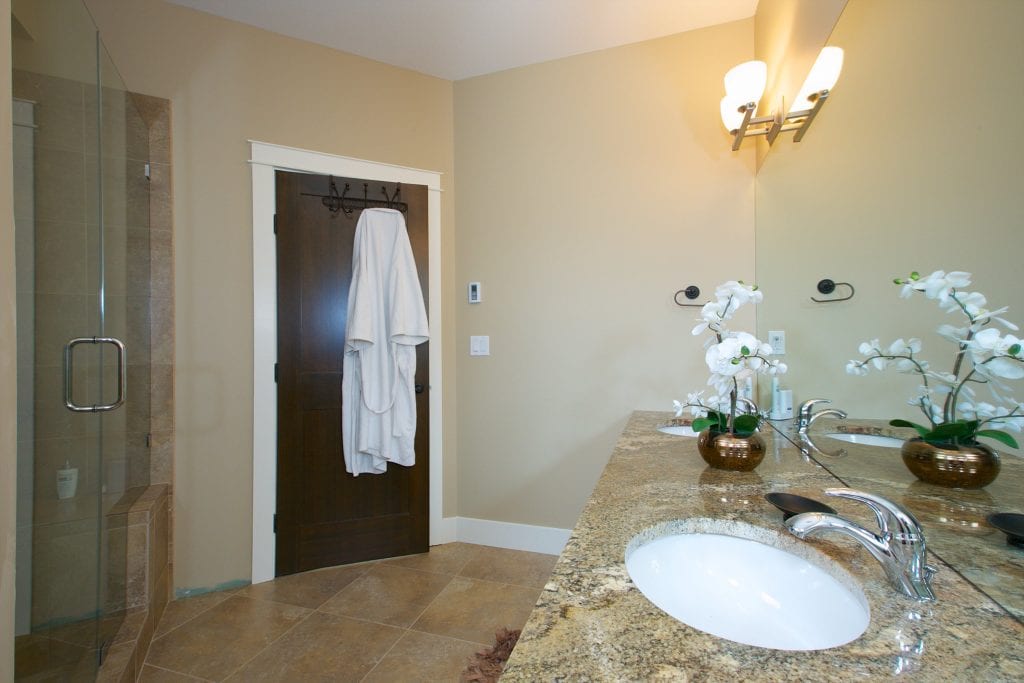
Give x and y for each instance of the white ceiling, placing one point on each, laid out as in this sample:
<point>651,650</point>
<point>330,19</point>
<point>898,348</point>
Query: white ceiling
<point>456,39</point>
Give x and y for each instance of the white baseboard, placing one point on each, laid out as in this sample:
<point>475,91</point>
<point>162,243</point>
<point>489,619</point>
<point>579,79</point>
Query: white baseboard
<point>537,539</point>
<point>445,532</point>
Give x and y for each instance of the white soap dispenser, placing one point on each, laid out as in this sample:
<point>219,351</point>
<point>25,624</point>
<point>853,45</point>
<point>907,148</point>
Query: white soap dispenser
<point>67,481</point>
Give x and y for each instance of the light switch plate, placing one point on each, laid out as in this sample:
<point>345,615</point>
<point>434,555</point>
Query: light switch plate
<point>777,340</point>
<point>479,346</point>
<point>473,293</point>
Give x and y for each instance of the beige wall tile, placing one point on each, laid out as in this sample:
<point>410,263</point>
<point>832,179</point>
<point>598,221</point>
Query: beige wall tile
<point>59,264</point>
<point>61,178</point>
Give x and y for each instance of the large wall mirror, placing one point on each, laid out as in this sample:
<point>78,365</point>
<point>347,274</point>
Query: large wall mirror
<point>913,164</point>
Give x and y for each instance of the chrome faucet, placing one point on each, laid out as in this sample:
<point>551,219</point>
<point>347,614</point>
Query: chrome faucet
<point>750,406</point>
<point>900,546</point>
<point>806,416</point>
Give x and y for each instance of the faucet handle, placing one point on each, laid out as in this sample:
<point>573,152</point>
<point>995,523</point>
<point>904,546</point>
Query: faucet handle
<point>807,406</point>
<point>886,512</point>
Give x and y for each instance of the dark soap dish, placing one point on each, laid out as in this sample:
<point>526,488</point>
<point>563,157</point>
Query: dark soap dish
<point>792,504</point>
<point>1011,524</point>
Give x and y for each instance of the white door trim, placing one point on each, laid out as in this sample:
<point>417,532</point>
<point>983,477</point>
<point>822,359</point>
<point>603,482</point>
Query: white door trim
<point>264,160</point>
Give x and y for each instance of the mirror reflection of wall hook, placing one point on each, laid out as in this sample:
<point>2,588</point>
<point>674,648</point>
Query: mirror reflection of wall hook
<point>691,293</point>
<point>827,286</point>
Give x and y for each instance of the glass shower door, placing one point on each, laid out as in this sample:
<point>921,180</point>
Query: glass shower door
<point>82,270</point>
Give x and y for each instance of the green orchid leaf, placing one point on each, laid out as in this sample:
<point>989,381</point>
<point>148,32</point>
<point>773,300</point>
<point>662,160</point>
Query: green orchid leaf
<point>702,423</point>
<point>999,436</point>
<point>921,431</point>
<point>952,430</point>
<point>745,425</point>
<point>1014,350</point>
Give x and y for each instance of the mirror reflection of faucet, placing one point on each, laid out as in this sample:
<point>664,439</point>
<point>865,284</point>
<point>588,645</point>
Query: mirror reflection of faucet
<point>806,415</point>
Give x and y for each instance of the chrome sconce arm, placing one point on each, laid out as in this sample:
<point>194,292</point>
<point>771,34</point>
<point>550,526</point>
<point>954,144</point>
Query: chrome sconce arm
<point>771,126</point>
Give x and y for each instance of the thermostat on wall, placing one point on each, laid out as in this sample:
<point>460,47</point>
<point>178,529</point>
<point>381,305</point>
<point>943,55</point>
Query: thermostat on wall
<point>475,294</point>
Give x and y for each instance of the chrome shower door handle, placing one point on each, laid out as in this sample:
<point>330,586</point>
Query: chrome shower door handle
<point>69,375</point>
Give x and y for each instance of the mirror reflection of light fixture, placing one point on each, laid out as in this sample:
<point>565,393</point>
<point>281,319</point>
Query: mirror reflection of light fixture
<point>744,86</point>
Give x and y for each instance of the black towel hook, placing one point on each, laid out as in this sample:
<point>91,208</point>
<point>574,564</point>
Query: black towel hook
<point>691,292</point>
<point>827,286</point>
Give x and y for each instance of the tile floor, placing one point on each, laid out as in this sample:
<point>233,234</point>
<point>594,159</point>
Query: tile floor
<point>415,618</point>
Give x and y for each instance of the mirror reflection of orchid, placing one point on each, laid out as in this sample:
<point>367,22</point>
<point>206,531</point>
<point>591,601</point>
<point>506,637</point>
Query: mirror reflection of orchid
<point>984,357</point>
<point>731,357</point>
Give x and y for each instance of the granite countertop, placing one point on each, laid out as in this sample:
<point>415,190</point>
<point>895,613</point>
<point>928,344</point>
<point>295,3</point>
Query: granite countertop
<point>592,623</point>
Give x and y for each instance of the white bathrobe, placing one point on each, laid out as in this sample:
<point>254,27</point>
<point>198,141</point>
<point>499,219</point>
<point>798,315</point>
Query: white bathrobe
<point>386,320</point>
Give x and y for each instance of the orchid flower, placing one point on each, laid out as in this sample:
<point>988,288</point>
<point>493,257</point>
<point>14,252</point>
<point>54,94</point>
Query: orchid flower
<point>983,357</point>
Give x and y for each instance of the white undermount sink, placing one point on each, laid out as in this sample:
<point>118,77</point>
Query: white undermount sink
<point>677,430</point>
<point>867,439</point>
<point>746,591</point>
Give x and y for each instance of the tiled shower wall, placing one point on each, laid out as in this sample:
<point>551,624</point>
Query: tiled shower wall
<point>137,249</point>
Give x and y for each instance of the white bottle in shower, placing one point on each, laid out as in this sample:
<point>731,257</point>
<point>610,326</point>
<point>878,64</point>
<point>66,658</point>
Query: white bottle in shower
<point>67,481</point>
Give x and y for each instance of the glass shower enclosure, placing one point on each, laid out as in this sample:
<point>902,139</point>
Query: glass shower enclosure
<point>83,346</point>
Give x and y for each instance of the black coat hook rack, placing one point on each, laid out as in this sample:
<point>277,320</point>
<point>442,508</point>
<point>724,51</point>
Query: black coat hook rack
<point>343,203</point>
<point>691,293</point>
<point>827,286</point>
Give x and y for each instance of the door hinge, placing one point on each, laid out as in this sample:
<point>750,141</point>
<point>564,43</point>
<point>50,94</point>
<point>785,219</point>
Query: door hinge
<point>277,373</point>
<point>275,223</point>
<point>148,172</point>
<point>275,522</point>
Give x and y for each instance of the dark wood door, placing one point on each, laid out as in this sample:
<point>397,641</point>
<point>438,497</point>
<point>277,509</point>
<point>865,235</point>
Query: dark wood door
<point>325,516</point>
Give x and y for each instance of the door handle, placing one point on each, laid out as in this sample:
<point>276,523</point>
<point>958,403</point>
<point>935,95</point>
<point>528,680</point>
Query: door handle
<point>69,375</point>
<point>419,388</point>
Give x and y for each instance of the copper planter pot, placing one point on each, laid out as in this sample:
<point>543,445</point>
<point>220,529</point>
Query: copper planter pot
<point>960,467</point>
<point>726,451</point>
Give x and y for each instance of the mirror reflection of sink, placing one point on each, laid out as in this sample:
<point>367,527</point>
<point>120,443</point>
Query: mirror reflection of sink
<point>746,591</point>
<point>867,439</point>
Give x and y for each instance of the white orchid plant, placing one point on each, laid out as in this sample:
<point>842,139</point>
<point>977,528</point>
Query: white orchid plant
<point>731,357</point>
<point>984,357</point>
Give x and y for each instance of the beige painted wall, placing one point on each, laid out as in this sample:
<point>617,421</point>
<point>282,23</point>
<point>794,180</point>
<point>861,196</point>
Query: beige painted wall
<point>8,374</point>
<point>227,83</point>
<point>912,165</point>
<point>788,35</point>
<point>590,190</point>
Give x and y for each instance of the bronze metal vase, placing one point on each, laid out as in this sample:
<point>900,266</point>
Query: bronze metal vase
<point>726,451</point>
<point>959,467</point>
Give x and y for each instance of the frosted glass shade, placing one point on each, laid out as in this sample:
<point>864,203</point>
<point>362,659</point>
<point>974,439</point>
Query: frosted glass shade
<point>823,76</point>
<point>745,82</point>
<point>732,117</point>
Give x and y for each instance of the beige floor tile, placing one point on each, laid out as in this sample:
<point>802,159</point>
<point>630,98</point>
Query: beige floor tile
<point>41,658</point>
<point>308,589</point>
<point>473,610</point>
<point>118,662</point>
<point>323,648</point>
<point>179,611</point>
<point>221,639</point>
<point>388,595</point>
<point>510,566</point>
<point>151,674</point>
<point>449,558</point>
<point>423,657</point>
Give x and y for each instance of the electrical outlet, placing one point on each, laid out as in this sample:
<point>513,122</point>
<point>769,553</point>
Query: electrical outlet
<point>777,340</point>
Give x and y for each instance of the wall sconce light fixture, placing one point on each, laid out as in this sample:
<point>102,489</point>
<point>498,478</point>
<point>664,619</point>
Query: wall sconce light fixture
<point>744,86</point>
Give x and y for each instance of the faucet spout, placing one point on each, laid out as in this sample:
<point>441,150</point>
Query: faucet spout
<point>899,546</point>
<point>806,415</point>
<point>816,523</point>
